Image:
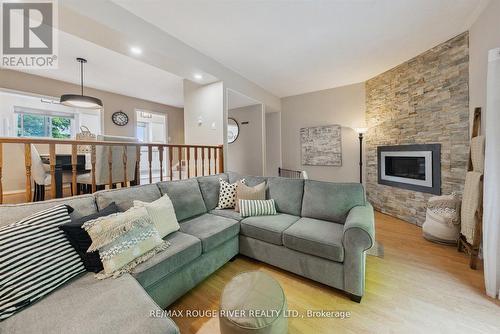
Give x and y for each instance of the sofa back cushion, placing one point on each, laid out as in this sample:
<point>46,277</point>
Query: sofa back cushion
<point>186,197</point>
<point>209,187</point>
<point>83,205</point>
<point>331,201</point>
<point>250,180</point>
<point>124,197</point>
<point>287,194</point>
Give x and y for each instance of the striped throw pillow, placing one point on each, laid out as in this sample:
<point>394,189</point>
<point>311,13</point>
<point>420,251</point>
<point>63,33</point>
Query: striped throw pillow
<point>257,207</point>
<point>35,259</point>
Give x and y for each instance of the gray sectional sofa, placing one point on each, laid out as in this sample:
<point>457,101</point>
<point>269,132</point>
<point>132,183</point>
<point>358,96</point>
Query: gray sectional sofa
<point>321,232</point>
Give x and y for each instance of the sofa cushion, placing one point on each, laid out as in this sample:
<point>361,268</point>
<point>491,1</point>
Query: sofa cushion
<point>228,213</point>
<point>185,196</point>
<point>209,187</point>
<point>212,230</point>
<point>331,201</point>
<point>87,305</point>
<point>316,237</point>
<point>183,249</point>
<point>250,179</point>
<point>267,228</point>
<point>80,239</point>
<point>83,206</point>
<point>124,197</point>
<point>287,194</point>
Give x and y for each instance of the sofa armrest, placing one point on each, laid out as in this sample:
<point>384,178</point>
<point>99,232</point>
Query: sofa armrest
<point>359,235</point>
<point>359,228</point>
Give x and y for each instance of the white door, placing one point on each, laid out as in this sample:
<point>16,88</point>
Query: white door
<point>152,128</point>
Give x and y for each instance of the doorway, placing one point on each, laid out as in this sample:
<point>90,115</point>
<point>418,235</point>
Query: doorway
<point>245,134</point>
<point>151,127</point>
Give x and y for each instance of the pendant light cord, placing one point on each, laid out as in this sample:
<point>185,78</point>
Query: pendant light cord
<point>81,76</point>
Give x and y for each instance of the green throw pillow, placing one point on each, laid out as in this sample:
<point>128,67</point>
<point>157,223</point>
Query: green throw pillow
<point>257,207</point>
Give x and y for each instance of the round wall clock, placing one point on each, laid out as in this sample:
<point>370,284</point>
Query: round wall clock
<point>119,118</point>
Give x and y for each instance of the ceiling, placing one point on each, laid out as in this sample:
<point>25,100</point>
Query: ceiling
<point>114,72</point>
<point>293,47</point>
<point>238,100</point>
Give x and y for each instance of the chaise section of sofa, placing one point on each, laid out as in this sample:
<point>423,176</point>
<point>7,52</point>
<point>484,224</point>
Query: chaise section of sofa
<point>87,305</point>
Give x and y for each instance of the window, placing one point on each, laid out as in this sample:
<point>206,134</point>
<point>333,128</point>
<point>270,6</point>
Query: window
<point>39,125</point>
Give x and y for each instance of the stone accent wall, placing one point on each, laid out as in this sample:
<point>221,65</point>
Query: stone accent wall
<point>422,101</point>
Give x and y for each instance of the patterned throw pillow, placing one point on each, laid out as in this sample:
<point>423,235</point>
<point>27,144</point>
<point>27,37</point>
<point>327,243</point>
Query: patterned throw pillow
<point>162,213</point>
<point>35,259</point>
<point>255,207</point>
<point>124,240</point>
<point>245,192</point>
<point>227,194</point>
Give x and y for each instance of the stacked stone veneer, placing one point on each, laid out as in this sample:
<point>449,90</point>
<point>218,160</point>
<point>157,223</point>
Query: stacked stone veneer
<point>423,101</point>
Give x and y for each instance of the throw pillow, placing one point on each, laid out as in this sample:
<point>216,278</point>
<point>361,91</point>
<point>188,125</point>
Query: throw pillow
<point>227,194</point>
<point>245,192</point>
<point>252,207</point>
<point>80,239</point>
<point>35,259</point>
<point>162,213</point>
<point>124,240</point>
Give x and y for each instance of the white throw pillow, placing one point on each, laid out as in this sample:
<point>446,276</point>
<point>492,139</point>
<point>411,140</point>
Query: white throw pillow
<point>227,194</point>
<point>162,213</point>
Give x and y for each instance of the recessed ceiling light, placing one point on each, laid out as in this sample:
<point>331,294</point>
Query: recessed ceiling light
<point>135,50</point>
<point>198,76</point>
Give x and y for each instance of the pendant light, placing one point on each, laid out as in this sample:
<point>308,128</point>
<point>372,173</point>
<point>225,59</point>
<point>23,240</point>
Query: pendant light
<point>81,101</point>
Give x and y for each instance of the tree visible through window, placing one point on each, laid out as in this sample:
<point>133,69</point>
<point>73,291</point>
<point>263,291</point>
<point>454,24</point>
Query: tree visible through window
<point>33,125</point>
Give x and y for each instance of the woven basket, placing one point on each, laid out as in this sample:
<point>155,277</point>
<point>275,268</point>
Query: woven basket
<point>85,135</point>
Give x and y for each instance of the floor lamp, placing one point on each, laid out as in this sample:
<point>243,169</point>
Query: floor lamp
<point>361,132</point>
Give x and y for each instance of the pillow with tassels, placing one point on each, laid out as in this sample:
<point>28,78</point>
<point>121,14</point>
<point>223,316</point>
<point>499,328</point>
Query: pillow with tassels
<point>124,240</point>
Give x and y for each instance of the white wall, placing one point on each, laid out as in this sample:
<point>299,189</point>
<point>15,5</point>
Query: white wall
<point>205,102</point>
<point>484,35</point>
<point>273,143</point>
<point>245,155</point>
<point>344,106</point>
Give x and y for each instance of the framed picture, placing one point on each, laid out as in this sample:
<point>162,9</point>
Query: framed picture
<point>321,145</point>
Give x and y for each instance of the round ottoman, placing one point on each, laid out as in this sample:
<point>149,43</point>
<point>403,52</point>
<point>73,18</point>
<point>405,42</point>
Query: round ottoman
<point>253,302</point>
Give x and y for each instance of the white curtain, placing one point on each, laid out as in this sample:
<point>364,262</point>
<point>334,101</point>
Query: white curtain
<point>491,219</point>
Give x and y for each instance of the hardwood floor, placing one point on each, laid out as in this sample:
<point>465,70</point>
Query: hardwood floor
<point>418,287</point>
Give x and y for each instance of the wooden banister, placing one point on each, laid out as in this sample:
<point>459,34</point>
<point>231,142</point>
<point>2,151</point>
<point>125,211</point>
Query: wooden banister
<point>27,165</point>
<point>74,162</point>
<point>184,156</point>
<point>52,162</point>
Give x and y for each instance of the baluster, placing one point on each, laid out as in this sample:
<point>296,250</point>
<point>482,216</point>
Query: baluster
<point>92,162</point>
<point>160,152</point>
<point>27,165</point>
<point>221,159</point>
<point>202,161</point>
<point>137,165</point>
<point>52,162</point>
<point>188,154</point>
<point>1,163</point>
<point>179,155</point>
<point>124,156</point>
<point>110,167</point>
<point>170,161</point>
<point>196,161</point>
<point>74,162</point>
<point>209,161</point>
<point>150,161</point>
<point>216,151</point>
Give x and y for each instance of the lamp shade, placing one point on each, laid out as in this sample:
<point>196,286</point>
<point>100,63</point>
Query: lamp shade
<point>81,101</point>
<point>361,130</point>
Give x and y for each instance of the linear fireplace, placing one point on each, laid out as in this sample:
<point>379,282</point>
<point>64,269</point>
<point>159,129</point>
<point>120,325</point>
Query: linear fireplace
<point>413,167</point>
